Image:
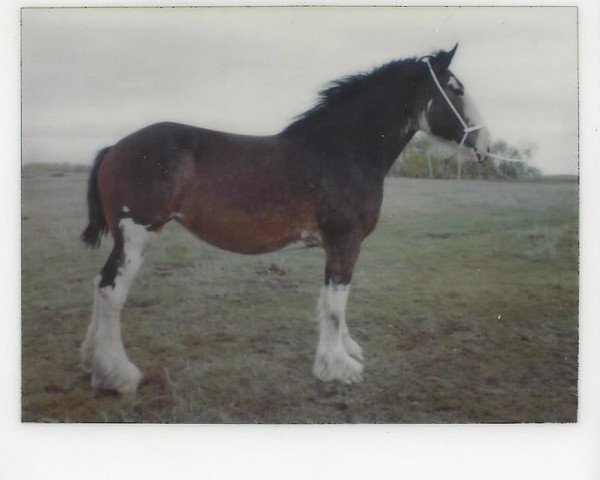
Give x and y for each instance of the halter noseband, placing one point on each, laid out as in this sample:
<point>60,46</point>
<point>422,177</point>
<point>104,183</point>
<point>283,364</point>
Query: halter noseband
<point>465,127</point>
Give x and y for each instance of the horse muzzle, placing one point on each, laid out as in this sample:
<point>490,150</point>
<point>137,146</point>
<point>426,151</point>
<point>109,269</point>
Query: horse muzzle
<point>480,156</point>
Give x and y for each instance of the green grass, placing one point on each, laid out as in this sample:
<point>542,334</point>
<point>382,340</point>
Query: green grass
<point>464,300</point>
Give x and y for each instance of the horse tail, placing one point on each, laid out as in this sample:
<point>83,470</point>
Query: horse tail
<point>97,226</point>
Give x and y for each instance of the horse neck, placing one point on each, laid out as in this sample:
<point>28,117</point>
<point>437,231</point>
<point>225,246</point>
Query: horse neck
<point>373,140</point>
<point>397,142</point>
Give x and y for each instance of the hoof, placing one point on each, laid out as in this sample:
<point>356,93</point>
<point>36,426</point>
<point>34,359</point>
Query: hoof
<point>337,365</point>
<point>353,348</point>
<point>123,377</point>
<point>86,356</point>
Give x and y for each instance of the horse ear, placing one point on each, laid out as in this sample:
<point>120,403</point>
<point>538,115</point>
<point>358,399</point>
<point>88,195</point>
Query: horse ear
<point>441,61</point>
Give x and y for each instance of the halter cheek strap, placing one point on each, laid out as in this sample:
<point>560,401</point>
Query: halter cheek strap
<point>465,127</point>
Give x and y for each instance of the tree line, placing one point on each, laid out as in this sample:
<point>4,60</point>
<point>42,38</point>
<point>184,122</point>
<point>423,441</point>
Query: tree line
<point>428,157</point>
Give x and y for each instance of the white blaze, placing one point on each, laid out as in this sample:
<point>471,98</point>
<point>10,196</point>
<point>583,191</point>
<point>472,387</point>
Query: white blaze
<point>474,118</point>
<point>453,82</point>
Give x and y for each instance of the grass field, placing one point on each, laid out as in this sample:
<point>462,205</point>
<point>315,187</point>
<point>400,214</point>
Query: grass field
<point>464,299</point>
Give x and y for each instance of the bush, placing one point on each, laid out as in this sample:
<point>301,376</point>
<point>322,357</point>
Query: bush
<point>445,158</point>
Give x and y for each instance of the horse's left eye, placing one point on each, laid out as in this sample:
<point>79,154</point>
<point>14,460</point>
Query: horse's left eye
<point>457,90</point>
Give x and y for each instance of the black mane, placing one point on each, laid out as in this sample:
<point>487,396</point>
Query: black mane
<point>365,99</point>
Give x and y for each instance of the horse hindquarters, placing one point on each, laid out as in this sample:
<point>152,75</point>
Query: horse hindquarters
<point>102,350</point>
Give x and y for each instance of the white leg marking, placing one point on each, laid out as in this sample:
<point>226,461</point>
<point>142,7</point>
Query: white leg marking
<point>351,346</point>
<point>103,346</point>
<point>87,347</point>
<point>336,348</point>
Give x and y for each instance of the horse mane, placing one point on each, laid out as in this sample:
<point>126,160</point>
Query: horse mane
<point>344,100</point>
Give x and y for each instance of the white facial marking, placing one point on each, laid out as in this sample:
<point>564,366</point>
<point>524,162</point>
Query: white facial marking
<point>472,115</point>
<point>125,209</point>
<point>474,118</point>
<point>453,82</point>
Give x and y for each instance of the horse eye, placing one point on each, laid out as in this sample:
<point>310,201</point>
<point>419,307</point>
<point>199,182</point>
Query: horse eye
<point>457,90</point>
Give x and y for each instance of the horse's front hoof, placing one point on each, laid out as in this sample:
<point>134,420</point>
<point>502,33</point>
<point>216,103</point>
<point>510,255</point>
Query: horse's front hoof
<point>123,377</point>
<point>86,359</point>
<point>353,348</point>
<point>337,365</point>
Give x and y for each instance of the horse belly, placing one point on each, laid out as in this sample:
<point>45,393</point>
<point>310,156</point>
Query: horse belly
<point>242,231</point>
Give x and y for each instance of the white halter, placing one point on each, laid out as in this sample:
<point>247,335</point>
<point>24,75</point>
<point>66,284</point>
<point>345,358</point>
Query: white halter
<point>466,128</point>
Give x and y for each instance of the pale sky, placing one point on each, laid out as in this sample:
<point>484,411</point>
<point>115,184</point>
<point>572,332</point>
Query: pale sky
<point>92,76</point>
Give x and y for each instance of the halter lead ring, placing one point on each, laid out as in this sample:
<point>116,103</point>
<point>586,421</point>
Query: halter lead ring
<point>465,127</point>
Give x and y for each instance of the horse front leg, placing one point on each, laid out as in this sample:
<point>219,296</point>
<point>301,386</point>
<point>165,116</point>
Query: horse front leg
<point>338,355</point>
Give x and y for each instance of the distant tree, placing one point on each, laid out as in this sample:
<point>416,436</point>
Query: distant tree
<point>426,156</point>
<point>517,168</point>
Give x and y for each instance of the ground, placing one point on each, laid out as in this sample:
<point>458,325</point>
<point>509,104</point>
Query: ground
<point>465,300</point>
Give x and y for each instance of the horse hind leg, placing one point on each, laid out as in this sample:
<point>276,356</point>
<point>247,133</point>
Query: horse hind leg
<point>102,350</point>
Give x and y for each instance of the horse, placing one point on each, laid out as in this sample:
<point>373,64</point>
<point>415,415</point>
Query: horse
<point>318,182</point>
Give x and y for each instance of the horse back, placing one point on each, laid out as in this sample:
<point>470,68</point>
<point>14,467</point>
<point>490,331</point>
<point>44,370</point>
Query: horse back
<point>239,192</point>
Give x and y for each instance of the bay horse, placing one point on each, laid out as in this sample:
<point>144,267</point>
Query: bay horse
<point>317,182</point>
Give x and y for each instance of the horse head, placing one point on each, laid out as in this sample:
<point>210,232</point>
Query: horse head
<point>450,113</point>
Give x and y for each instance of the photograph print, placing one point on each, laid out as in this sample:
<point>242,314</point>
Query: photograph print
<point>300,215</point>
